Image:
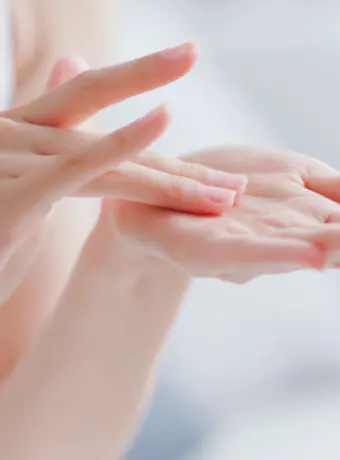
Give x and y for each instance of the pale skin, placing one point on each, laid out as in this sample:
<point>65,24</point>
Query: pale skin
<point>82,387</point>
<point>41,164</point>
<point>29,143</point>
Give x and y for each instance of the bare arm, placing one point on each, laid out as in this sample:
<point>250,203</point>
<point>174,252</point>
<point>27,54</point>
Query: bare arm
<point>43,31</point>
<point>80,392</point>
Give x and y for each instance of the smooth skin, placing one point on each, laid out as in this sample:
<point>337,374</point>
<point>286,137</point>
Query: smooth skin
<point>41,165</point>
<point>43,160</point>
<point>282,223</point>
<point>84,385</point>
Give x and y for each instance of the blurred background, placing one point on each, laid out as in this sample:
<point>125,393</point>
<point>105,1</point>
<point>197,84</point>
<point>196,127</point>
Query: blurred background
<point>249,372</point>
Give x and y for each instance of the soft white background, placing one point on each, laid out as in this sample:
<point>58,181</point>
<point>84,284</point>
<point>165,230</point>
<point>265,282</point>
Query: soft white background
<point>252,370</point>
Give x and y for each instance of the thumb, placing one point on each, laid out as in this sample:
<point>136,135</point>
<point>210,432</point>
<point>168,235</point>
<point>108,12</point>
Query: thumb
<point>64,70</point>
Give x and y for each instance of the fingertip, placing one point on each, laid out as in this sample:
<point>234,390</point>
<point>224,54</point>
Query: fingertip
<point>184,56</point>
<point>202,200</point>
<point>158,118</point>
<point>179,52</point>
<point>217,201</point>
<point>192,54</point>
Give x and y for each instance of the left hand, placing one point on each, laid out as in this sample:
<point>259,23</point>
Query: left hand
<point>161,182</point>
<point>36,144</point>
<point>281,224</point>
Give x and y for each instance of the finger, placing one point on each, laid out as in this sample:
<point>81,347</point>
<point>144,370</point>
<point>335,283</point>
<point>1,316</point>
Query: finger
<point>94,90</point>
<point>41,140</point>
<point>15,166</point>
<point>64,70</point>
<point>138,183</point>
<point>47,141</point>
<point>52,141</point>
<point>247,159</point>
<point>328,186</point>
<point>199,173</point>
<point>267,254</point>
<point>69,172</point>
<point>326,236</point>
<point>250,160</point>
<point>322,179</point>
<point>333,218</point>
<point>315,207</point>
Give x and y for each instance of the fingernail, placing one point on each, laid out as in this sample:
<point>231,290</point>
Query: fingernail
<point>220,196</point>
<point>178,52</point>
<point>237,182</point>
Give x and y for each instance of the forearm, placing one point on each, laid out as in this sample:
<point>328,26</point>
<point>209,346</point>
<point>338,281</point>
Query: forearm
<point>43,31</point>
<point>80,391</point>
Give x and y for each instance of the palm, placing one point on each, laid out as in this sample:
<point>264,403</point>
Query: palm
<point>252,238</point>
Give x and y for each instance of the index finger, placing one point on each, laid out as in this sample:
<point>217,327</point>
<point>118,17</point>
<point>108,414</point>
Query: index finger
<point>77,100</point>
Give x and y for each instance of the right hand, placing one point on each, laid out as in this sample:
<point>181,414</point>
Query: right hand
<point>282,223</point>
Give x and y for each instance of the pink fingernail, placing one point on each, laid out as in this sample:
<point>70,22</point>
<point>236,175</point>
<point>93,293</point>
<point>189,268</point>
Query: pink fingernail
<point>220,196</point>
<point>178,52</point>
<point>236,182</point>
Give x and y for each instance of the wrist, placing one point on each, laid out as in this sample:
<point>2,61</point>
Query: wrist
<point>115,253</point>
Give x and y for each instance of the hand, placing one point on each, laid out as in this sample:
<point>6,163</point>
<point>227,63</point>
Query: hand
<point>281,224</point>
<point>91,91</point>
<point>41,164</point>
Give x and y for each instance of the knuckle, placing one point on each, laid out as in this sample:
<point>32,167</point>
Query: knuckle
<point>197,172</point>
<point>178,169</point>
<point>71,165</point>
<point>180,190</point>
<point>186,170</point>
<point>202,173</point>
